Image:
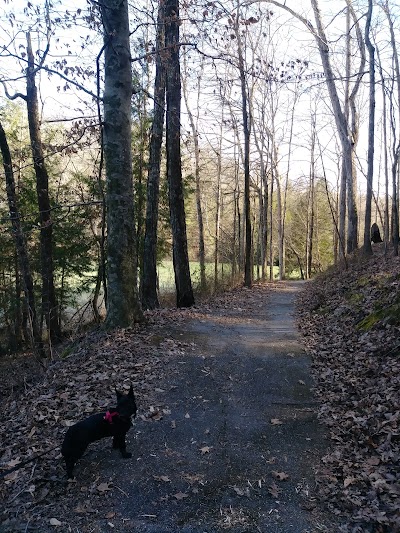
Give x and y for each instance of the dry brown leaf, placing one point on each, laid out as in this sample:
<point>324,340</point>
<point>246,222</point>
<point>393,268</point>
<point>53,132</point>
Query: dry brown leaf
<point>180,495</point>
<point>274,490</point>
<point>280,476</point>
<point>205,449</point>
<point>165,479</point>
<point>103,487</point>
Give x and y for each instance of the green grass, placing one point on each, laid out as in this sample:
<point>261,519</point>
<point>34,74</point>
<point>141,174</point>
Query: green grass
<point>167,281</point>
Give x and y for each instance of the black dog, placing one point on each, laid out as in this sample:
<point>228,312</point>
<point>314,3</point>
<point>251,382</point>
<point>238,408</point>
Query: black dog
<point>114,423</point>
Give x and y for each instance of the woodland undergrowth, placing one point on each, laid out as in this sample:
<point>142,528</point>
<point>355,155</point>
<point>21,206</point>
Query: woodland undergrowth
<point>350,320</point>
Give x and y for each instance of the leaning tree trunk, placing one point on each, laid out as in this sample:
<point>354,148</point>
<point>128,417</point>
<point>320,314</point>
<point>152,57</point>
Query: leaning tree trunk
<point>149,278</point>
<point>20,245</point>
<point>183,283</point>
<point>49,302</point>
<point>123,306</point>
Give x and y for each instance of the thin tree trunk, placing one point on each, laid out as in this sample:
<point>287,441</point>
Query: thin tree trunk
<point>371,132</point>
<point>123,306</point>
<point>183,283</point>
<point>217,213</point>
<point>20,245</point>
<point>248,270</point>
<point>149,278</point>
<point>396,140</point>
<point>49,302</point>
<point>386,225</point>
<point>199,209</point>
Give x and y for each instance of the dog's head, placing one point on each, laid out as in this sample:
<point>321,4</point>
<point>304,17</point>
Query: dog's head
<point>126,404</point>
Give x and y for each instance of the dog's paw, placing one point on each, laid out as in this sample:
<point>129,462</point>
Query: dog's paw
<point>126,455</point>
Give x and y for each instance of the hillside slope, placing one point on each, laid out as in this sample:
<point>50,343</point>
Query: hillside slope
<point>350,320</point>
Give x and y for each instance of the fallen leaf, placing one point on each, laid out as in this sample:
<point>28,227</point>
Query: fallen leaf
<point>165,479</point>
<point>276,421</point>
<point>239,491</point>
<point>205,449</point>
<point>103,487</point>
<point>55,522</point>
<point>348,481</point>
<point>274,490</point>
<point>280,476</point>
<point>180,495</point>
<point>14,462</point>
<point>373,461</point>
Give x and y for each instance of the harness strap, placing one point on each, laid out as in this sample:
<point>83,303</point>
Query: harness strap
<point>109,416</point>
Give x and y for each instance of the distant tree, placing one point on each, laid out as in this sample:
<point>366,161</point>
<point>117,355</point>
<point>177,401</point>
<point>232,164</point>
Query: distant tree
<point>21,246</point>
<point>394,117</point>
<point>183,283</point>
<point>149,275</point>
<point>371,131</point>
<point>194,122</point>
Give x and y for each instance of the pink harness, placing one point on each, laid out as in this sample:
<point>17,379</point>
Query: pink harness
<point>109,416</point>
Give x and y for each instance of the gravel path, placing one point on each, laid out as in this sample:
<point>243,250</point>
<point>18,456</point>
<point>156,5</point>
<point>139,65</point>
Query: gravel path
<point>239,441</point>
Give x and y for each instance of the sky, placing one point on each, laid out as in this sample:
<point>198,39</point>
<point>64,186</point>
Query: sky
<point>80,48</point>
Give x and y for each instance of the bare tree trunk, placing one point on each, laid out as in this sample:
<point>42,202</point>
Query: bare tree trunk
<point>20,245</point>
<point>263,204</point>
<point>217,216</point>
<point>371,132</point>
<point>49,302</point>
<point>271,219</point>
<point>396,140</point>
<point>345,134</point>
<point>311,202</point>
<point>184,292</point>
<point>123,306</point>
<point>199,209</point>
<point>386,225</point>
<point>248,268</point>
<point>149,278</point>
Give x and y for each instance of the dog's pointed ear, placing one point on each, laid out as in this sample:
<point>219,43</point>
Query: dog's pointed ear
<point>131,393</point>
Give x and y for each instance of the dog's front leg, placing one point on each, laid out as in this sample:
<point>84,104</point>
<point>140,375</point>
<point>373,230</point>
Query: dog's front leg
<point>120,444</point>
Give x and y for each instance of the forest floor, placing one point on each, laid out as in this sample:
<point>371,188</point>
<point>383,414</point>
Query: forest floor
<point>227,436</point>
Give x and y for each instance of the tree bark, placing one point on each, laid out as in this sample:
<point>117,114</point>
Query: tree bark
<point>49,302</point>
<point>248,262</point>
<point>123,305</point>
<point>149,278</point>
<point>183,283</point>
<point>371,132</point>
<point>396,140</point>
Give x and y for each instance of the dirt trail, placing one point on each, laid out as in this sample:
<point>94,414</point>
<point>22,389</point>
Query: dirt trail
<point>237,448</point>
<point>226,438</point>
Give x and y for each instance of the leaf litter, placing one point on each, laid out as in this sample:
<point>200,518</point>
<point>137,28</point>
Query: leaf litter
<point>350,320</point>
<point>358,479</point>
